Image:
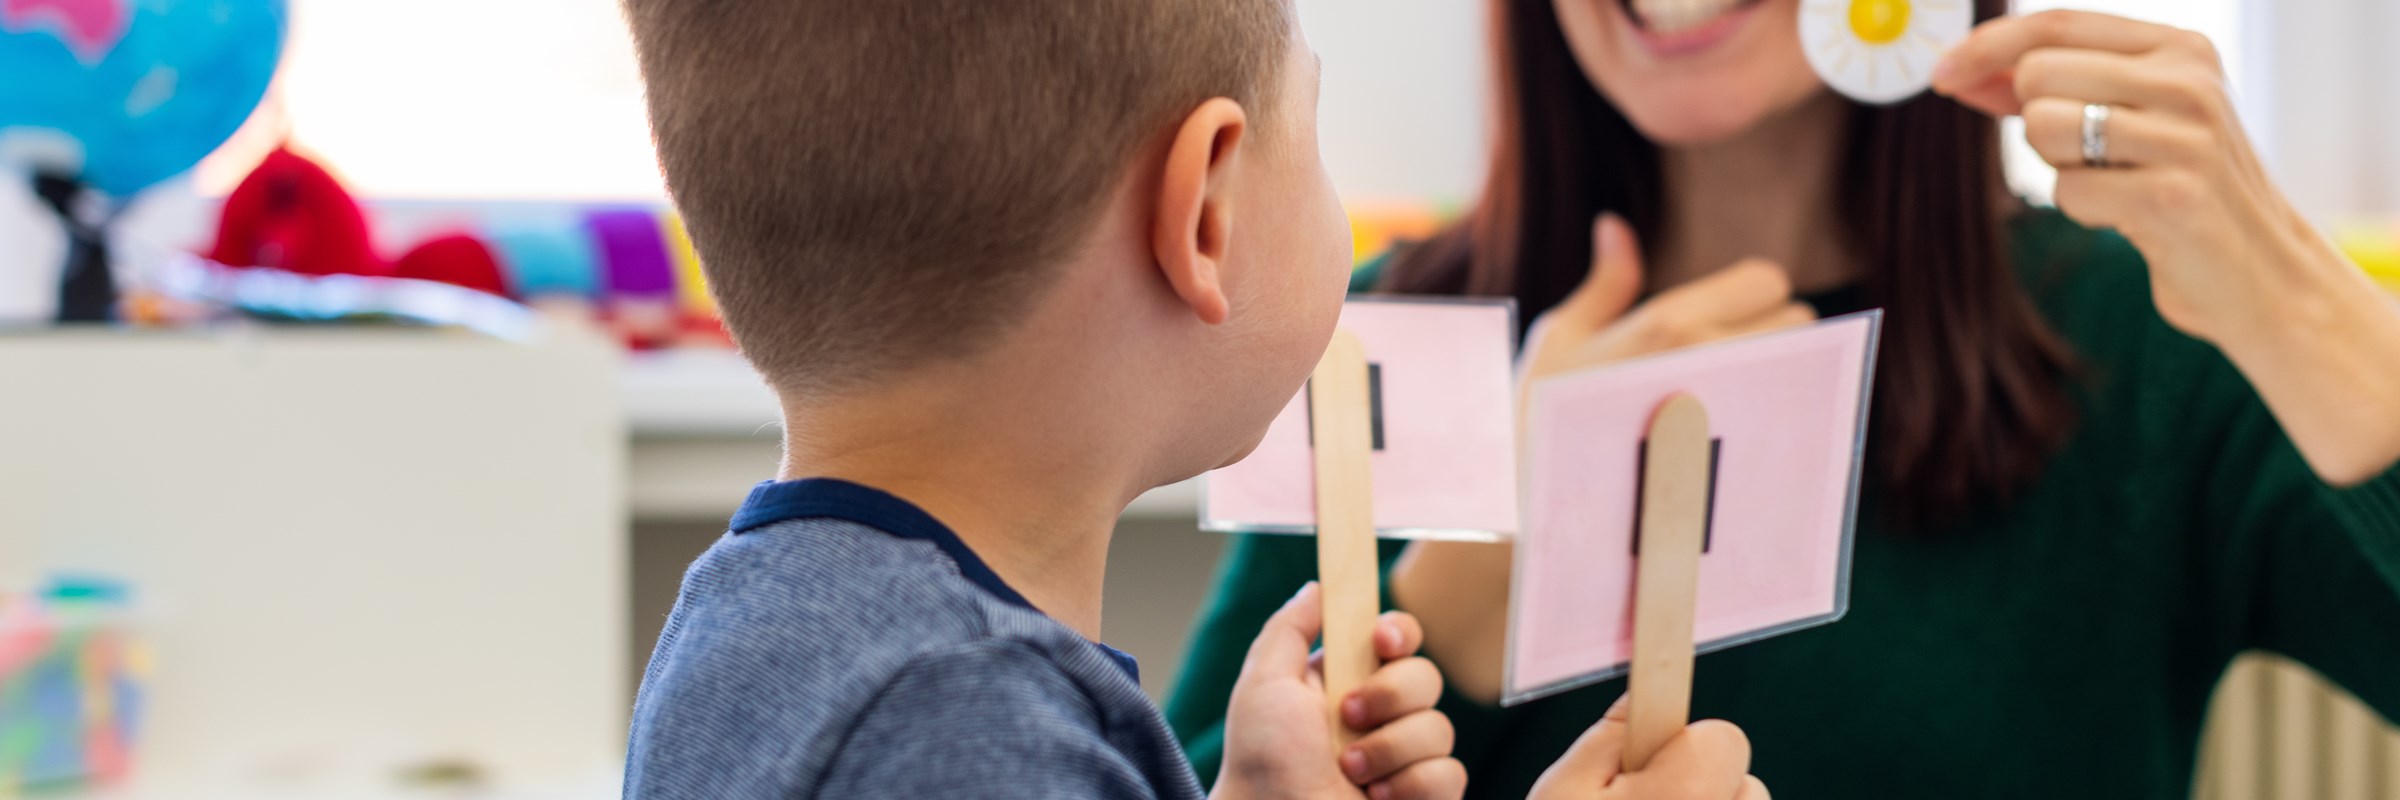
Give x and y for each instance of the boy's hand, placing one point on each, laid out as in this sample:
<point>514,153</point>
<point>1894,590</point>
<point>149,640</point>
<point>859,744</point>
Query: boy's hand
<point>1276,741</point>
<point>1708,760</point>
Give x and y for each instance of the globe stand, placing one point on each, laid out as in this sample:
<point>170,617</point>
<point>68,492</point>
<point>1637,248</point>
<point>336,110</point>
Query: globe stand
<point>87,288</point>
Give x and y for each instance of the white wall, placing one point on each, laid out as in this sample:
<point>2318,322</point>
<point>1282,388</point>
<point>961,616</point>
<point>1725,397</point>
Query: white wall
<point>541,98</point>
<point>2331,119</point>
<point>1403,110</point>
<point>2224,23</point>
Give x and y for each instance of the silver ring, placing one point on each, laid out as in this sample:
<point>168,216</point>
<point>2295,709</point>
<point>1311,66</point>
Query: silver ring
<point>2095,135</point>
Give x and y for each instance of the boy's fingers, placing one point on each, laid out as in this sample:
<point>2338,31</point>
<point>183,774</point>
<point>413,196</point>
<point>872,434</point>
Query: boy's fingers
<point>1709,758</point>
<point>1397,689</point>
<point>1438,779</point>
<point>1283,643</point>
<point>1392,748</point>
<point>1397,636</point>
<point>1593,760</point>
<point>1752,789</point>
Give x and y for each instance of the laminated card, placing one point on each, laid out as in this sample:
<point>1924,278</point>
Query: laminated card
<point>1444,463</point>
<point>1787,416</point>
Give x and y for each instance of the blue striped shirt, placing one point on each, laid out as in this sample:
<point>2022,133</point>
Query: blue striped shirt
<point>840,642</point>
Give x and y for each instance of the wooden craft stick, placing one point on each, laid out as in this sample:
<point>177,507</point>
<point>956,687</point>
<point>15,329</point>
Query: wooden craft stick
<point>1345,522</point>
<point>1667,577</point>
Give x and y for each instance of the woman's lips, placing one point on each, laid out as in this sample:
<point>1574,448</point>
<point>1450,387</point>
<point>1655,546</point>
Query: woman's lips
<point>1690,39</point>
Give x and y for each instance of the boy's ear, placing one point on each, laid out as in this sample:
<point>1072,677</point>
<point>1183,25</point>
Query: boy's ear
<point>1195,206</point>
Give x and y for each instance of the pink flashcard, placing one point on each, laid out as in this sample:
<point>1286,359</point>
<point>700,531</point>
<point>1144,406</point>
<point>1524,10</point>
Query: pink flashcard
<point>1787,413</point>
<point>1444,466</point>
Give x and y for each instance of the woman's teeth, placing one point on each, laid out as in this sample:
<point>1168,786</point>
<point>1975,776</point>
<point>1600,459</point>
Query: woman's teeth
<point>1669,16</point>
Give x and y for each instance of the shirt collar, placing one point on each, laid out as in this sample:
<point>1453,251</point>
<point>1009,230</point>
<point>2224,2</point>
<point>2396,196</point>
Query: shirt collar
<point>832,498</point>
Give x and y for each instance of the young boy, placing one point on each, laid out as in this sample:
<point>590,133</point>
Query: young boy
<point>1007,264</point>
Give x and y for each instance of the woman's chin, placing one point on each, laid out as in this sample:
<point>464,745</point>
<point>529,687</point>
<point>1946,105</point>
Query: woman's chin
<point>1698,116</point>
<point>1691,127</point>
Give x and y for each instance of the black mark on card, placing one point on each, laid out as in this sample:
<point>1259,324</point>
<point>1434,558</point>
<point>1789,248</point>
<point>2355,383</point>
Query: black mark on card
<point>1641,475</point>
<point>1374,406</point>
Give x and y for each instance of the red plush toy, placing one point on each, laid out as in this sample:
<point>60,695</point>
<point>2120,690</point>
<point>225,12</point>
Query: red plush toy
<point>456,259</point>
<point>290,214</point>
<point>293,215</point>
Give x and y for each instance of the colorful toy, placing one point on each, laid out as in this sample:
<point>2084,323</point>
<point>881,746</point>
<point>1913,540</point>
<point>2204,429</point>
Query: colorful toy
<point>639,275</point>
<point>548,259</point>
<point>105,98</point>
<point>143,90</point>
<point>631,268</point>
<point>691,286</point>
<point>188,289</point>
<point>291,214</point>
<point>71,687</point>
<point>293,245</point>
<point>1377,226</point>
<point>455,259</point>
<point>2375,248</point>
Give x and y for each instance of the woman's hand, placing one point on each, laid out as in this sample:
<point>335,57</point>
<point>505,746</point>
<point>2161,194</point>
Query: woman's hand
<point>2181,181</point>
<point>2231,261</point>
<point>1599,323</point>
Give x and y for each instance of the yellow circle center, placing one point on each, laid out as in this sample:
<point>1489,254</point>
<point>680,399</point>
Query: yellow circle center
<point>1879,21</point>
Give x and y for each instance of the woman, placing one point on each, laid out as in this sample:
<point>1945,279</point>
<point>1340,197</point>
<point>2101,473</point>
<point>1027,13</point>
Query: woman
<point>2100,465</point>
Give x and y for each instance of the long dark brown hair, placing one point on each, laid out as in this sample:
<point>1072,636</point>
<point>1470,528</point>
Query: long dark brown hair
<point>1970,393</point>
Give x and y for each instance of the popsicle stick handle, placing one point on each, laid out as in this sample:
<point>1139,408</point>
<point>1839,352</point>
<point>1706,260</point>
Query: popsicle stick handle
<point>1345,522</point>
<point>1667,577</point>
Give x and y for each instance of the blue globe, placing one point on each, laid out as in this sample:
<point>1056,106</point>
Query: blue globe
<point>128,93</point>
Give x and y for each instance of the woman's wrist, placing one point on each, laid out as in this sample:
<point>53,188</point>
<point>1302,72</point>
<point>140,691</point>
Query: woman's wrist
<point>2301,288</point>
<point>1459,592</point>
<point>2322,348</point>
<point>2316,300</point>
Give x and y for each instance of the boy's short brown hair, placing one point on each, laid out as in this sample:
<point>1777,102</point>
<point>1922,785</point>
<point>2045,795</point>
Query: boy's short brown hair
<point>872,182</point>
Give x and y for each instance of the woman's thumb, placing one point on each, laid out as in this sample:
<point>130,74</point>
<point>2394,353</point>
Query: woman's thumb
<point>1615,279</point>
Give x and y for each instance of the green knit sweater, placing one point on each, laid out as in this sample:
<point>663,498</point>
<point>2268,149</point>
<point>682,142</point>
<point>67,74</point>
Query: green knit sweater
<point>2063,646</point>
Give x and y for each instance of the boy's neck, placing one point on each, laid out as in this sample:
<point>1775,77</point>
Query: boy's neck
<point>1034,493</point>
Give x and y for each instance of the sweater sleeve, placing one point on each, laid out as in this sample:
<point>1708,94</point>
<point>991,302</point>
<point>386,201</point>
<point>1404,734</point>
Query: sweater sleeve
<point>2312,571</point>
